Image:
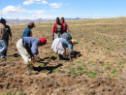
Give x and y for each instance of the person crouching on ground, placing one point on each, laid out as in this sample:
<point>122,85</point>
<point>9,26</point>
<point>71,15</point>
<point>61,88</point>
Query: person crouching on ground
<point>59,46</point>
<point>28,48</point>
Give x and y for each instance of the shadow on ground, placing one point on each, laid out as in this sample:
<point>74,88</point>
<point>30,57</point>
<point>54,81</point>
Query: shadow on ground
<point>49,68</point>
<point>76,54</point>
<point>14,55</point>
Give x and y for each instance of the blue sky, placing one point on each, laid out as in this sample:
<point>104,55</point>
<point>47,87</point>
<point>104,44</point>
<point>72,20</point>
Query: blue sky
<point>33,9</point>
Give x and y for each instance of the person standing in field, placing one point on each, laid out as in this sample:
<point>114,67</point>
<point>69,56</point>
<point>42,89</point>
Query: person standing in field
<point>28,48</point>
<point>64,25</point>
<point>8,34</point>
<point>57,29</point>
<point>27,31</point>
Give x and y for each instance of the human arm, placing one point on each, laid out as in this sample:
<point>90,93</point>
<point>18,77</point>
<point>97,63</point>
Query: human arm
<point>69,45</point>
<point>10,33</point>
<point>67,28</point>
<point>66,43</point>
<point>30,33</point>
<point>34,48</point>
<point>53,31</point>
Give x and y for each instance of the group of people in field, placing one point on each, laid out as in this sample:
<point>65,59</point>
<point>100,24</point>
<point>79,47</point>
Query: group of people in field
<point>27,45</point>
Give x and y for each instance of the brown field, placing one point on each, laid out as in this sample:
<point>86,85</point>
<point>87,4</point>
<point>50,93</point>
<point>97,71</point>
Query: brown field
<point>99,67</point>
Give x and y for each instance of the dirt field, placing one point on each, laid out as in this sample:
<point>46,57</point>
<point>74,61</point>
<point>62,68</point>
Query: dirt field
<point>99,67</point>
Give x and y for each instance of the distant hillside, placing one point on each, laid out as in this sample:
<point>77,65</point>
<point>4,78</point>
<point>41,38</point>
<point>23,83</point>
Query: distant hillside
<point>21,21</point>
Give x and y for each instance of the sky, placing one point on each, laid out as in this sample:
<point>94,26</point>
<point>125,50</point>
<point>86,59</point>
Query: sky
<point>50,9</point>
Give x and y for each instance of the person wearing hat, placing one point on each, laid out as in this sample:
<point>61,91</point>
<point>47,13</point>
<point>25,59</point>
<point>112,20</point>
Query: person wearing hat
<point>28,48</point>
<point>27,31</point>
<point>8,34</point>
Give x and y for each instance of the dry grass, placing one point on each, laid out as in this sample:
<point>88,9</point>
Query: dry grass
<point>101,44</point>
<point>101,41</point>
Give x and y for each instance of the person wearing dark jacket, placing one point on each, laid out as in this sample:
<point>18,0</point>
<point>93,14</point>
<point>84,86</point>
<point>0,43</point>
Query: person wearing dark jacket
<point>8,34</point>
<point>28,48</point>
<point>27,31</point>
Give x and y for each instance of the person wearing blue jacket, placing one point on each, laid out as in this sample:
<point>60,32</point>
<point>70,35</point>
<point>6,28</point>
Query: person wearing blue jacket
<point>28,48</point>
<point>27,31</point>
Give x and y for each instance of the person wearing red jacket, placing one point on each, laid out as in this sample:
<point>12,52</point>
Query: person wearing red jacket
<point>64,25</point>
<point>57,29</point>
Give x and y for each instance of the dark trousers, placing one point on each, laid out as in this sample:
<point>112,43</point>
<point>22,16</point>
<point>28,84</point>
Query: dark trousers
<point>7,42</point>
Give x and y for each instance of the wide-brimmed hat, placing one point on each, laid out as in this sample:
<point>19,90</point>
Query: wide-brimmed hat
<point>74,41</point>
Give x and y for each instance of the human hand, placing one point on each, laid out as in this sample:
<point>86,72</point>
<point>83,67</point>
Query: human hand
<point>35,58</point>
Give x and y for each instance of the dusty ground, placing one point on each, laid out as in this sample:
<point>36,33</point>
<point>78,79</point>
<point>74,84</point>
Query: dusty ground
<point>97,69</point>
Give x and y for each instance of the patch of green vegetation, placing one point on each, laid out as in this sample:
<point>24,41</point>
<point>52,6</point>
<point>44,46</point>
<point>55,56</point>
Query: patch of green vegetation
<point>10,59</point>
<point>13,93</point>
<point>52,55</point>
<point>93,63</point>
<point>93,74</point>
<point>115,70</point>
<point>85,72</point>
<point>104,26</point>
<point>108,67</point>
<point>80,69</point>
<point>90,73</point>
<point>122,62</point>
<point>61,71</point>
<point>107,51</point>
<point>105,64</point>
<point>121,66</point>
<point>124,53</point>
<point>89,49</point>
<point>78,61</point>
<point>54,70</point>
<point>40,64</point>
<point>90,62</point>
<point>73,72</point>
<point>84,65</point>
<point>72,63</point>
<point>120,78</point>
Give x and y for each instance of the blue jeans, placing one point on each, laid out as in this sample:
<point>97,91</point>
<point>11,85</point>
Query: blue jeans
<point>3,47</point>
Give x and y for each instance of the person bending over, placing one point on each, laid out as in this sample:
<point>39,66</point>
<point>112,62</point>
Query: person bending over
<point>59,46</point>
<point>28,48</point>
